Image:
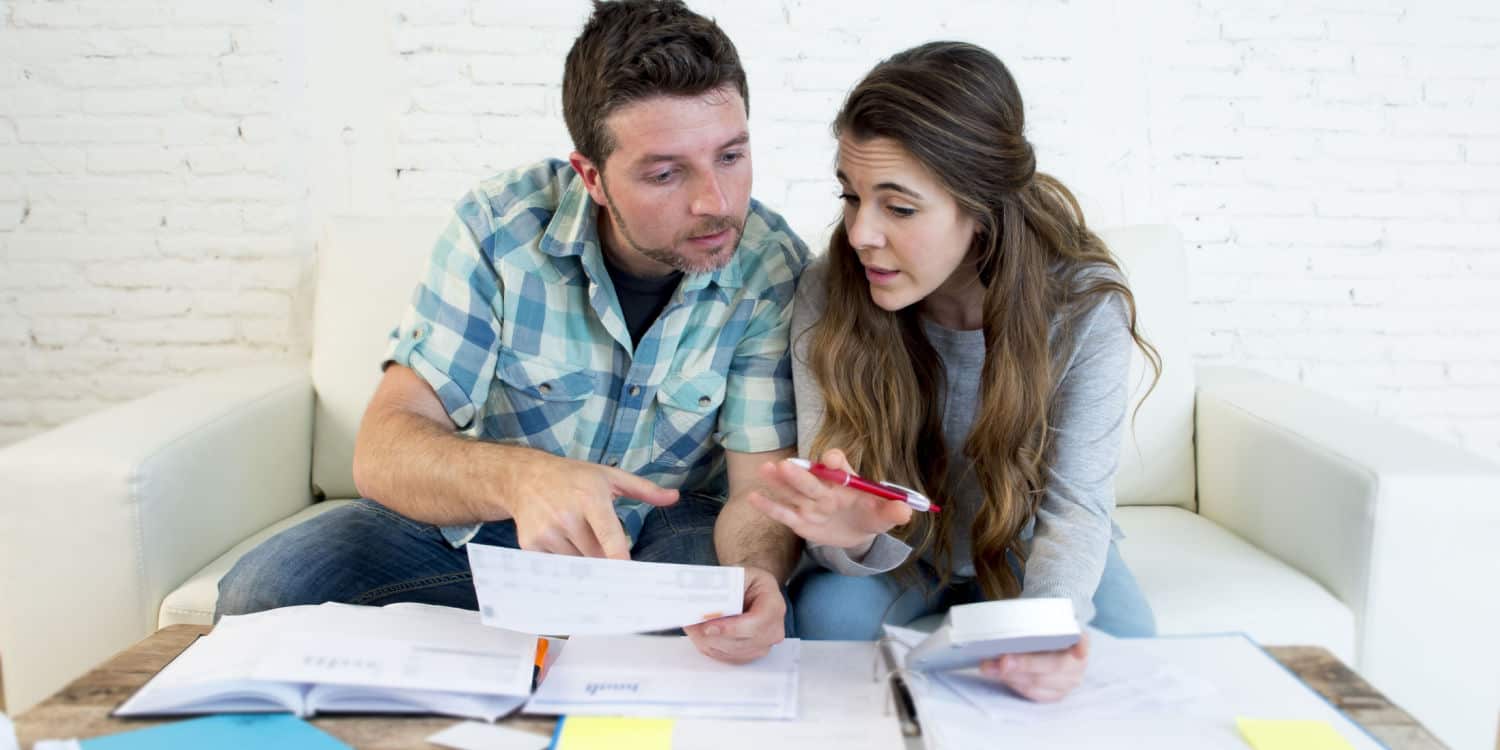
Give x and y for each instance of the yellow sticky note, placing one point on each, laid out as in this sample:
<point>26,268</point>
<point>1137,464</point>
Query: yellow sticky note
<point>614,733</point>
<point>1270,734</point>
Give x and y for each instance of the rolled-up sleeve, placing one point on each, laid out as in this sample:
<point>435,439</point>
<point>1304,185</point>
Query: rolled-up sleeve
<point>450,333</point>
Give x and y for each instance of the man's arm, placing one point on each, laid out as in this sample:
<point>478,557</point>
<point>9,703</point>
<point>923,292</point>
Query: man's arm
<point>409,458</point>
<point>767,550</point>
<point>743,535</point>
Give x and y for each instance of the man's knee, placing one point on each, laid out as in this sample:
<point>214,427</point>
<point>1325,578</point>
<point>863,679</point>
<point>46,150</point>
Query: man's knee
<point>267,577</point>
<point>325,558</point>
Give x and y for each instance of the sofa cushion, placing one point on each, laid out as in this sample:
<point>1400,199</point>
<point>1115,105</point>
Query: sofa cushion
<point>1200,578</point>
<point>193,602</point>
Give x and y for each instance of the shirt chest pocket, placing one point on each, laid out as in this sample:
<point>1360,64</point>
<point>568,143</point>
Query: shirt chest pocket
<point>687,413</point>
<point>543,403</point>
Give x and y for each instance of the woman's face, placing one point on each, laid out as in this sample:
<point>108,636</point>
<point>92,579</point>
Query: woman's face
<point>909,232</point>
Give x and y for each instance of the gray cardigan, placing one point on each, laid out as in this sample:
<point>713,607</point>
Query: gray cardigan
<point>1070,534</point>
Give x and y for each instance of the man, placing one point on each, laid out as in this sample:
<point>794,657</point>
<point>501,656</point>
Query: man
<point>596,355</point>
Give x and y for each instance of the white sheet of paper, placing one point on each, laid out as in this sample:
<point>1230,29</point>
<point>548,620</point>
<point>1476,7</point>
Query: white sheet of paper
<point>1121,681</point>
<point>642,675</point>
<point>535,592</point>
<point>841,706</point>
<point>476,735</point>
<point>406,646</point>
<point>7,734</point>
<point>430,665</point>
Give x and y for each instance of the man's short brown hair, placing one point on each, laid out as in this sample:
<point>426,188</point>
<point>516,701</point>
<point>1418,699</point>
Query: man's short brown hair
<point>634,49</point>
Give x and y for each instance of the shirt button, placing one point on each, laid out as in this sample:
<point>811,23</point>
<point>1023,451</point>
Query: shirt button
<point>635,390</point>
<point>613,462</point>
<point>704,401</point>
<point>545,388</point>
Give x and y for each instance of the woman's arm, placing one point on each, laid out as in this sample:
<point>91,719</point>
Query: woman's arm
<point>798,492</point>
<point>1072,533</point>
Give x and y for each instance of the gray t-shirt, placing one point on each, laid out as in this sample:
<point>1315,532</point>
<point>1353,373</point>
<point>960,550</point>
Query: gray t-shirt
<point>1070,535</point>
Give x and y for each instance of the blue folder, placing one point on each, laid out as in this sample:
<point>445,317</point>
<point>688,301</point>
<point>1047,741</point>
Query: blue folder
<point>226,730</point>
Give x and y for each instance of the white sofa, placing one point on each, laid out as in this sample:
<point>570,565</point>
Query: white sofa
<point>1249,504</point>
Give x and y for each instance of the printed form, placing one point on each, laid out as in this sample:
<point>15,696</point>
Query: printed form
<point>545,594</point>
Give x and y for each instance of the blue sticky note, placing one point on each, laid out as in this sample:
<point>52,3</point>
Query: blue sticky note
<point>227,730</point>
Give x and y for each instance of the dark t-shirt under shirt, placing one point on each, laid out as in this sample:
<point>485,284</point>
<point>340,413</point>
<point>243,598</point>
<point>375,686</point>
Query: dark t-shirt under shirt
<point>641,298</point>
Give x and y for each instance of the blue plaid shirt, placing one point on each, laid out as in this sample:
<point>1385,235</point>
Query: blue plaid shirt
<point>517,328</point>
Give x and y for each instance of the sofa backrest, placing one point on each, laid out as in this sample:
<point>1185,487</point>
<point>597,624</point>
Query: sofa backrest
<point>1156,456</point>
<point>367,269</point>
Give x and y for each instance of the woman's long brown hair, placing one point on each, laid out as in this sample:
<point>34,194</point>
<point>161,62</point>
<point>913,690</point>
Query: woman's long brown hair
<point>956,109</point>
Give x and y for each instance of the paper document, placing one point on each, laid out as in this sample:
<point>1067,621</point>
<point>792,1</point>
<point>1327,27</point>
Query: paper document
<point>666,676</point>
<point>475,735</point>
<point>410,646</point>
<point>842,706</point>
<point>7,734</point>
<point>1120,681</point>
<point>545,594</point>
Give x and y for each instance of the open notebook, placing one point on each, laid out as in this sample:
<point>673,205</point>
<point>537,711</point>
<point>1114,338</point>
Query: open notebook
<point>340,658</point>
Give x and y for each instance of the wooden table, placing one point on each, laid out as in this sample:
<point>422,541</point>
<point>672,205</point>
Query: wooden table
<point>82,708</point>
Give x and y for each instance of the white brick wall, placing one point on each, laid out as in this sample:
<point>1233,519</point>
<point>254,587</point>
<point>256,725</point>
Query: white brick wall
<point>1334,165</point>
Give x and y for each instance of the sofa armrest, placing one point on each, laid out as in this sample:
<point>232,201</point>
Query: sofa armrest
<point>105,515</point>
<point>1402,527</point>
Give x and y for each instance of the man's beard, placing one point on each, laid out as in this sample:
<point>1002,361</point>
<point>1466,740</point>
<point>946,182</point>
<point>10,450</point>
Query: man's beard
<point>668,256</point>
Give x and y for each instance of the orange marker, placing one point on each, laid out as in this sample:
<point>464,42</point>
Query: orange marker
<point>541,661</point>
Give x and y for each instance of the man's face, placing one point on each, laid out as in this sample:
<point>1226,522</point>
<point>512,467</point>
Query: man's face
<point>677,186</point>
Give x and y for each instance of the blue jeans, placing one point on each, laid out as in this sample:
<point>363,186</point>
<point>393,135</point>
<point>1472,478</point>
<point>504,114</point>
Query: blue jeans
<point>830,606</point>
<point>365,553</point>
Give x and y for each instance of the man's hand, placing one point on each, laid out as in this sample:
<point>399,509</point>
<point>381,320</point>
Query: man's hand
<point>1044,677</point>
<point>567,507</point>
<point>748,636</point>
<point>825,513</point>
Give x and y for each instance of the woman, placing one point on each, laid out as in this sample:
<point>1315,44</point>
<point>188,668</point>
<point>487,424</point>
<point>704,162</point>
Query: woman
<point>967,336</point>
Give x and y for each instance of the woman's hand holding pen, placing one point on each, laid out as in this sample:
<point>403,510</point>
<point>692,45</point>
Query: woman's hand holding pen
<point>824,513</point>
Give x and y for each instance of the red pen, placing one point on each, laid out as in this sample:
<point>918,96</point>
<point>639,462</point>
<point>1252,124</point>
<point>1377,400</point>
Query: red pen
<point>887,490</point>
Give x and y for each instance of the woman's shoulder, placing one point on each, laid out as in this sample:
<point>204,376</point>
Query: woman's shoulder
<point>1092,309</point>
<point>812,291</point>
